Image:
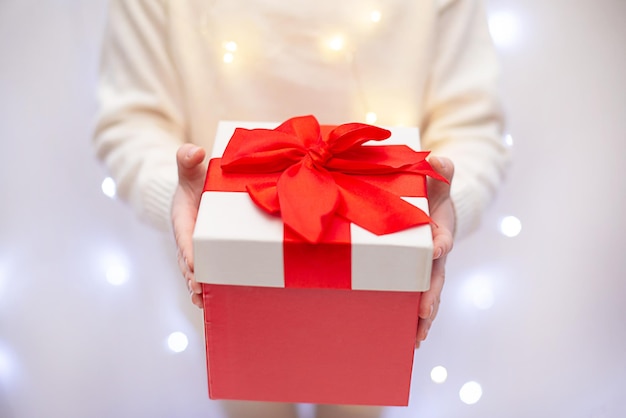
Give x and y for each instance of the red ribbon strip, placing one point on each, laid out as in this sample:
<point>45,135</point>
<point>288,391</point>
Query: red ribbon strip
<point>310,179</point>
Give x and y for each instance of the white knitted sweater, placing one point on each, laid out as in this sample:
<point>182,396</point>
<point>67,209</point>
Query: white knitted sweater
<point>172,69</point>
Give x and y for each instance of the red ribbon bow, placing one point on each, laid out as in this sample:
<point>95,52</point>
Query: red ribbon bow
<point>324,177</point>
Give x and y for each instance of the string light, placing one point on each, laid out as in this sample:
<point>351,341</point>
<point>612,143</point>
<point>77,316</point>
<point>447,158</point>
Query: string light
<point>230,46</point>
<point>336,43</point>
<point>371,118</point>
<point>375,16</point>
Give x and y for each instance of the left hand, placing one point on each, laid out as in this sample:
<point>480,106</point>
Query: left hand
<point>444,222</point>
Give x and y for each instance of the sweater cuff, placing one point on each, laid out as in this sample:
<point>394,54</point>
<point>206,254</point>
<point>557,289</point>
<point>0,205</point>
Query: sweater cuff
<point>467,207</point>
<point>157,198</point>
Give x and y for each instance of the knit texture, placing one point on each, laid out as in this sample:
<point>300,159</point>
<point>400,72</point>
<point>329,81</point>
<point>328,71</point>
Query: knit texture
<point>171,70</point>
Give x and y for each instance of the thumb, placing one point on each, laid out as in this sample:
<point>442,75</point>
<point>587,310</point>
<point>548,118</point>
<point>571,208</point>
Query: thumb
<point>189,158</point>
<point>441,208</point>
<point>438,189</point>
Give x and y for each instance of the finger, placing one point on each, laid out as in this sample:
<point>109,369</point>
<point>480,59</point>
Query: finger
<point>443,238</point>
<point>194,286</point>
<point>189,158</point>
<point>191,173</point>
<point>443,166</point>
<point>183,265</point>
<point>439,190</point>
<point>429,304</point>
<point>441,208</point>
<point>179,259</point>
<point>184,219</point>
<point>196,299</point>
<point>423,327</point>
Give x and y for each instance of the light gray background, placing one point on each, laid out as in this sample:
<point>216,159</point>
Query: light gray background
<point>553,343</point>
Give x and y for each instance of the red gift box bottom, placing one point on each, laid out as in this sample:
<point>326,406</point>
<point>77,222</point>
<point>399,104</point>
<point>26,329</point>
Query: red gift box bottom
<point>321,346</point>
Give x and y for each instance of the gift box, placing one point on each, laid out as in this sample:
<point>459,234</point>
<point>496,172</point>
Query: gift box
<point>313,246</point>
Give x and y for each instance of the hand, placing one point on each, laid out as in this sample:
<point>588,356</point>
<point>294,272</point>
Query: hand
<point>444,222</point>
<point>191,174</point>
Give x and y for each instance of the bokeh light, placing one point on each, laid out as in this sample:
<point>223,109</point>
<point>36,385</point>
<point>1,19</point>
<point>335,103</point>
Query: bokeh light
<point>478,291</point>
<point>371,118</point>
<point>7,364</point>
<point>375,16</point>
<point>177,342</point>
<point>229,57</point>
<point>108,187</point>
<point>3,277</point>
<point>230,46</point>
<point>336,43</point>
<point>117,274</point>
<point>439,374</point>
<point>470,393</point>
<point>504,28</point>
<point>510,226</point>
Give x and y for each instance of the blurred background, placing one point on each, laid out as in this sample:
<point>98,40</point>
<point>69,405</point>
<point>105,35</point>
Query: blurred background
<point>94,319</point>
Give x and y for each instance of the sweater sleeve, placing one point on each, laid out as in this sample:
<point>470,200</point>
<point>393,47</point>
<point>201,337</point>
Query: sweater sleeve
<point>140,121</point>
<point>463,116</point>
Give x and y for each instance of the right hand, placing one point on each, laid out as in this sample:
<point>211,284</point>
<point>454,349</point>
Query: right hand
<point>191,175</point>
